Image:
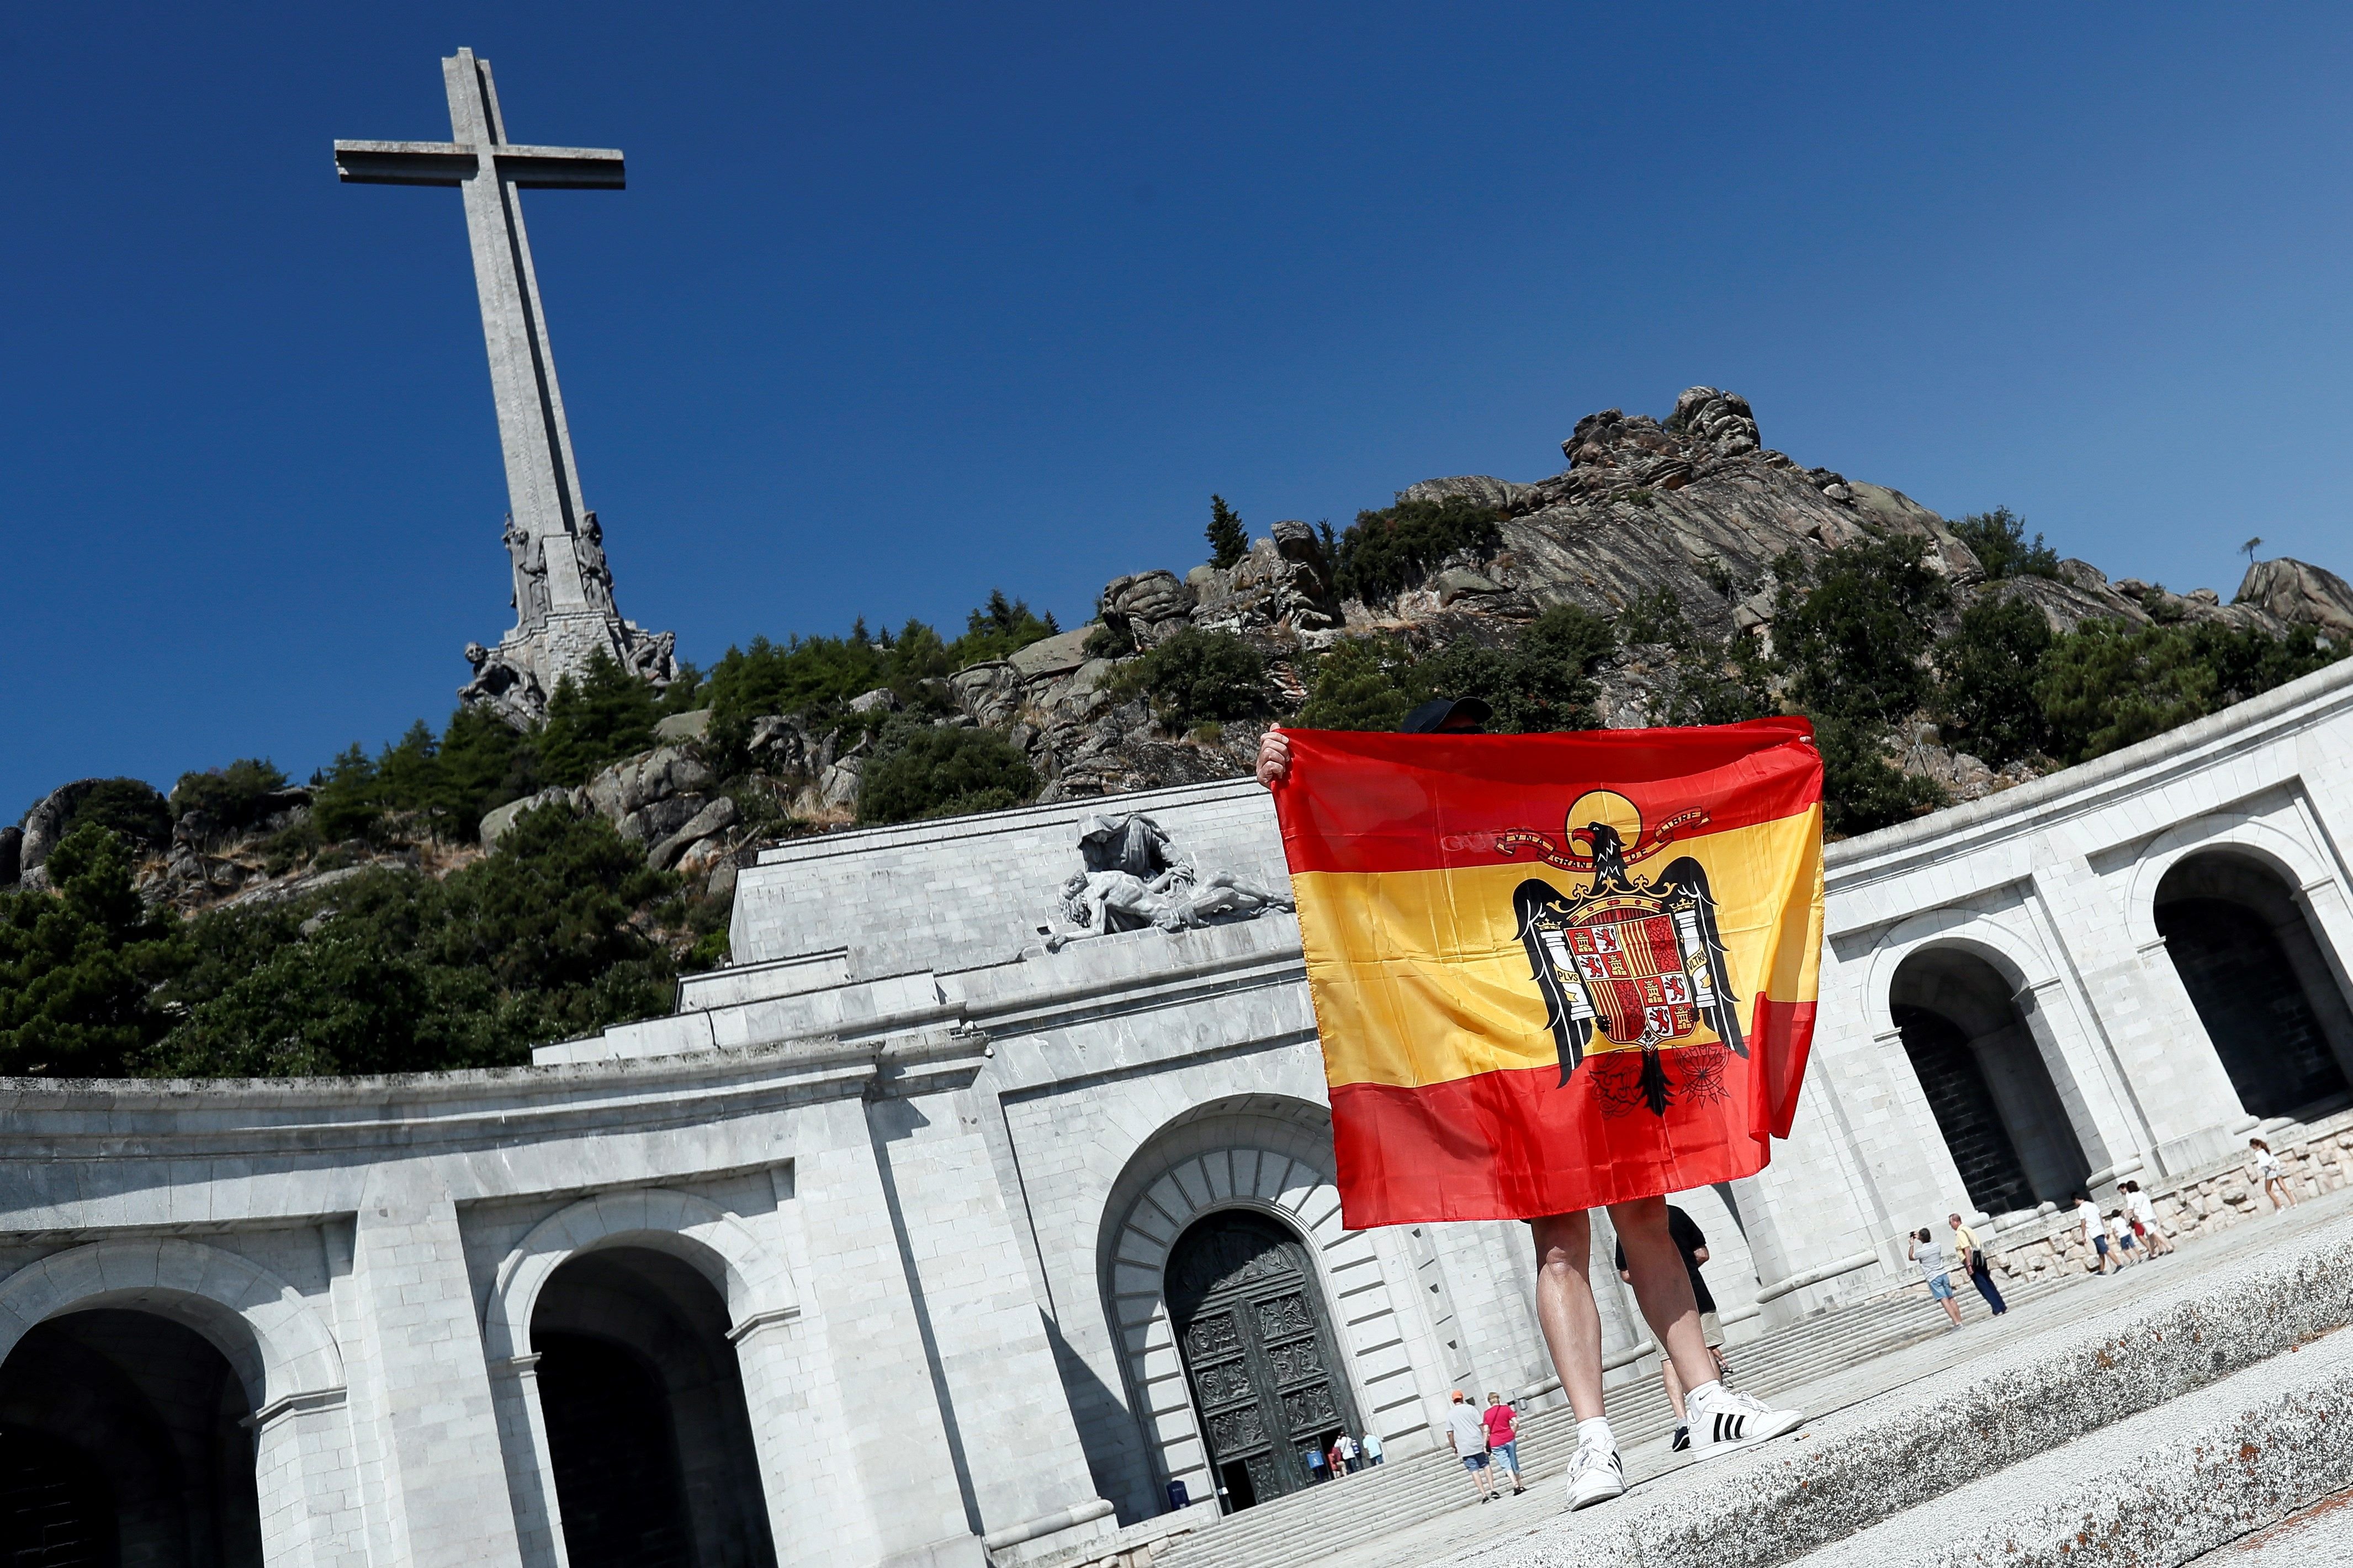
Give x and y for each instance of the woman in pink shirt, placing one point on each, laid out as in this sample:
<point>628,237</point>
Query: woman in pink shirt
<point>1502,1439</point>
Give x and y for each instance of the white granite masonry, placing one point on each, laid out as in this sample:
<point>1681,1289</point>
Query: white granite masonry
<point>883,1229</point>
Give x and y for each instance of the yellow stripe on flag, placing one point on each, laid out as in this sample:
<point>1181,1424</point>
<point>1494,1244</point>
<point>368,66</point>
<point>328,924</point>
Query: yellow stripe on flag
<point>1423,978</point>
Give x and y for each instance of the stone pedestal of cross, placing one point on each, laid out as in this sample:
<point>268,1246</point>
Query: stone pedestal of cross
<point>564,612</point>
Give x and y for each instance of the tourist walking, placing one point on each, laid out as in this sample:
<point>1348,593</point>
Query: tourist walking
<point>1468,1434</point>
<point>1337,1459</point>
<point>1312,1455</point>
<point>1503,1440</point>
<point>2274,1180</point>
<point>2143,1213</point>
<point>1971,1254</point>
<point>1719,1420</point>
<point>1931,1258</point>
<point>2120,1232</point>
<point>2095,1234</point>
<point>1347,1446</point>
<point>1692,1243</point>
<point>1372,1449</point>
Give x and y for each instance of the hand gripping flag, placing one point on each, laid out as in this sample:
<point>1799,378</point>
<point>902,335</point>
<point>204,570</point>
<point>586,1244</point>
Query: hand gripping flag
<point>1554,971</point>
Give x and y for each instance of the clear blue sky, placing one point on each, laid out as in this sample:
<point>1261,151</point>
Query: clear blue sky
<point>901,304</point>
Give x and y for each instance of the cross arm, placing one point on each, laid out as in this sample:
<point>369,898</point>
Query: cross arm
<point>452,163</point>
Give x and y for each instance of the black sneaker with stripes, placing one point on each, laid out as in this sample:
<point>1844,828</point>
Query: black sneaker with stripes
<point>1722,1419</point>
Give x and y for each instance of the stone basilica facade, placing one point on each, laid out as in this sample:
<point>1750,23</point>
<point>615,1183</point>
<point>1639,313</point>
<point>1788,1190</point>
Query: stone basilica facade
<point>925,1236</point>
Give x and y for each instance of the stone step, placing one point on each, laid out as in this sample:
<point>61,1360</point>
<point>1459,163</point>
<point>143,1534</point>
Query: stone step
<point>2153,1491</point>
<point>2017,1400</point>
<point>1301,1528</point>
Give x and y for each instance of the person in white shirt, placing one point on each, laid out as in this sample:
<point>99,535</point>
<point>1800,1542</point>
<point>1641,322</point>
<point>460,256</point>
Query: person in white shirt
<point>2274,1180</point>
<point>1938,1271</point>
<point>1347,1446</point>
<point>2120,1232</point>
<point>2095,1234</point>
<point>1468,1434</point>
<point>2143,1213</point>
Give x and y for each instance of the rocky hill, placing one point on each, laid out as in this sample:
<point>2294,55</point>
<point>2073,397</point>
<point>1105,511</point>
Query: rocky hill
<point>1677,570</point>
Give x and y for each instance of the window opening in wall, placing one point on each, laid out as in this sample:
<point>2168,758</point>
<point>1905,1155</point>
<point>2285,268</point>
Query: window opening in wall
<point>122,1441</point>
<point>2263,987</point>
<point>647,1428</point>
<point>1986,1082</point>
<point>1259,1351</point>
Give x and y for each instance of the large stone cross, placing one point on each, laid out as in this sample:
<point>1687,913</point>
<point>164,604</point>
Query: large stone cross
<point>565,613</point>
<point>542,481</point>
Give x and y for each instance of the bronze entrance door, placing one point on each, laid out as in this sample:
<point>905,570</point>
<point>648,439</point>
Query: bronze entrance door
<point>1259,1351</point>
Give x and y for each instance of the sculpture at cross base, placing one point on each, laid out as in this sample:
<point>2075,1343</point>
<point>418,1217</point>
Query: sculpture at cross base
<point>566,617</point>
<point>1134,878</point>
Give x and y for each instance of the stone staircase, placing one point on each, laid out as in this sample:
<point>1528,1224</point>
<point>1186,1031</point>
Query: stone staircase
<point>1309,1526</point>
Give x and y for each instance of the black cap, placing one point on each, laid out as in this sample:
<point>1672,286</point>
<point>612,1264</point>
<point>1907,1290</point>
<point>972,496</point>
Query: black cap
<point>1433,715</point>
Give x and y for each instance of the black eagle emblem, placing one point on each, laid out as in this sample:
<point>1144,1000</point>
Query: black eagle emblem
<point>1643,962</point>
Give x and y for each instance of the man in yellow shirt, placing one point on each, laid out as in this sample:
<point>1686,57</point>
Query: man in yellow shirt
<point>1979,1266</point>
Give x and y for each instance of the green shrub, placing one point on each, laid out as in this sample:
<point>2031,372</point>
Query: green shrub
<point>1387,551</point>
<point>1194,675</point>
<point>998,629</point>
<point>1708,681</point>
<point>1851,628</point>
<point>944,771</point>
<point>1985,699</point>
<point>594,721</point>
<point>1228,541</point>
<point>132,808</point>
<point>404,974</point>
<point>78,969</point>
<point>235,796</point>
<point>1542,681</point>
<point>1998,539</point>
<point>1860,790</point>
<point>1358,684</point>
<point>2107,685</point>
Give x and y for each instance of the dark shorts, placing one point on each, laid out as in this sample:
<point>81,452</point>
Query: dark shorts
<point>1475,1462</point>
<point>2102,1243</point>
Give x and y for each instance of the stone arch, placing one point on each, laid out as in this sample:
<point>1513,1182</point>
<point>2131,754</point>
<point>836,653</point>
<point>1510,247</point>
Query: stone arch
<point>2019,959</point>
<point>2239,923</point>
<point>2250,836</point>
<point>279,1346</point>
<point>1268,1155</point>
<point>2047,1098</point>
<point>756,1283</point>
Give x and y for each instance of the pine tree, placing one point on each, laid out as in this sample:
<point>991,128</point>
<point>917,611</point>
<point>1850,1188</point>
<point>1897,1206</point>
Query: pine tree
<point>1227,542</point>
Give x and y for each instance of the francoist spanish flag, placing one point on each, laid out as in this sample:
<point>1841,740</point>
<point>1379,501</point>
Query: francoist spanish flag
<point>1552,971</point>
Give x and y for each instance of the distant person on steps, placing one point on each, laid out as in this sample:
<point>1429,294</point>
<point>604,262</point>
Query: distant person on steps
<point>1503,1441</point>
<point>1692,1243</point>
<point>2095,1234</point>
<point>2274,1180</point>
<point>1938,1271</point>
<point>1971,1254</point>
<point>2143,1213</point>
<point>1468,1437</point>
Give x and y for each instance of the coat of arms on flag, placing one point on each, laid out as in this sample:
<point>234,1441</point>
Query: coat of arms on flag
<point>1520,1018</point>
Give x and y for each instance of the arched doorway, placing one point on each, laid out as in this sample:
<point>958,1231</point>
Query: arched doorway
<point>1259,1350</point>
<point>2262,985</point>
<point>647,1428</point>
<point>123,1441</point>
<point>1986,1081</point>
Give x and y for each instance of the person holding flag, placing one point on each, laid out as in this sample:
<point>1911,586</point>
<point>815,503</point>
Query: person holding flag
<point>1556,973</point>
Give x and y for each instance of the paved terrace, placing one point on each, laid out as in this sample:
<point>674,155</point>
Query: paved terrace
<point>1421,1511</point>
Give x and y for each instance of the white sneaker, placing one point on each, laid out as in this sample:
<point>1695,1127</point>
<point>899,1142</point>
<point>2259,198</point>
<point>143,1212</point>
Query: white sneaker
<point>1724,1419</point>
<point>1595,1475</point>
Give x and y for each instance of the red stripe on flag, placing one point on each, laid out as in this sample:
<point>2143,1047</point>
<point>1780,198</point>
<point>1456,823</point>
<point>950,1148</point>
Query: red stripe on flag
<point>1783,1036</point>
<point>1520,1144</point>
<point>1359,801</point>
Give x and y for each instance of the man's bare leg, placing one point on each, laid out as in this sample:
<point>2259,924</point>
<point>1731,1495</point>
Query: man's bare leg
<point>1675,1387</point>
<point>1565,1310</point>
<point>1572,1331</point>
